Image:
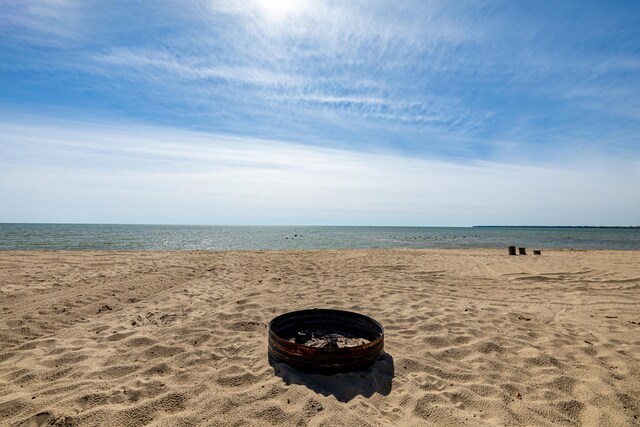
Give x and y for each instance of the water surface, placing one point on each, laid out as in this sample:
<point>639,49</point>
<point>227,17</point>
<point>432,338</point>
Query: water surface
<point>207,237</point>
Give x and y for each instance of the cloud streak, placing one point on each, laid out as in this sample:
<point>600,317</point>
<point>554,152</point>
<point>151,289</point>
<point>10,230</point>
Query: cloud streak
<point>189,69</point>
<point>65,171</point>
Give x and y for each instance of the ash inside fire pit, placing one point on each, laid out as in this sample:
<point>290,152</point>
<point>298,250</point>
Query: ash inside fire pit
<point>326,339</point>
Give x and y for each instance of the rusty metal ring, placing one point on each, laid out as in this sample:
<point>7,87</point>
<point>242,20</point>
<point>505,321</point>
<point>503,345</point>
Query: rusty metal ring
<point>324,360</point>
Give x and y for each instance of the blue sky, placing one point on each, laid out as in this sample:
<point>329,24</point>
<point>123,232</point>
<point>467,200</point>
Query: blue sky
<point>320,112</point>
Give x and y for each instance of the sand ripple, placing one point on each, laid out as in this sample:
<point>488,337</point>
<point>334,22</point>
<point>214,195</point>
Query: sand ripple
<point>167,339</point>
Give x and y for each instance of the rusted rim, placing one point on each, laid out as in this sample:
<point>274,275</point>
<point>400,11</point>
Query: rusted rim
<point>325,360</point>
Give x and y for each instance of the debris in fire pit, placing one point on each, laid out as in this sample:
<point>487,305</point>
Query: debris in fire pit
<point>324,339</point>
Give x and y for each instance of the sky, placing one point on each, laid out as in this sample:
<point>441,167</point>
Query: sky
<point>433,113</point>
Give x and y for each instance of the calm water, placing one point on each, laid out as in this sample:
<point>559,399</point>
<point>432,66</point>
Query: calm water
<point>181,237</point>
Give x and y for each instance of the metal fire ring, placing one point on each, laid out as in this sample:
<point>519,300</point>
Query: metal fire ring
<point>325,360</point>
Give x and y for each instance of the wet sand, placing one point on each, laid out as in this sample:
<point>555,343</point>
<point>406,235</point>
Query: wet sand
<point>473,337</point>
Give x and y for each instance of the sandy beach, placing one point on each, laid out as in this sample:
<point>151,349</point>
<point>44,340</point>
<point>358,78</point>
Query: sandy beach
<point>472,337</point>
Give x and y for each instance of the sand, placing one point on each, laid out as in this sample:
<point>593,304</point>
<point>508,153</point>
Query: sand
<point>473,337</point>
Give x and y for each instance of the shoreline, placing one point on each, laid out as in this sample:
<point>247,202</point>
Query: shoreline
<point>294,250</point>
<point>472,337</point>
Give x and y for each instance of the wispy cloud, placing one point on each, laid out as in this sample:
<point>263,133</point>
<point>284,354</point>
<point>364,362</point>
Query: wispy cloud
<point>147,174</point>
<point>144,62</point>
<point>43,23</point>
<point>303,55</point>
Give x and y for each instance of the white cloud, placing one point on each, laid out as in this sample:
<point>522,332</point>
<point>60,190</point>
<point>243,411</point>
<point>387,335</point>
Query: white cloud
<point>65,171</point>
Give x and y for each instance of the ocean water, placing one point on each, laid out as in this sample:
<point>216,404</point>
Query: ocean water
<point>196,237</point>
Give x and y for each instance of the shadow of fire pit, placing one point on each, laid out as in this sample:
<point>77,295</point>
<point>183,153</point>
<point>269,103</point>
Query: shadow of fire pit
<point>343,386</point>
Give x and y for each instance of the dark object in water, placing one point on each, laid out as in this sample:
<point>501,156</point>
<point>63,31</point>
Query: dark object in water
<point>537,252</point>
<point>512,250</point>
<point>325,341</point>
<point>522,251</point>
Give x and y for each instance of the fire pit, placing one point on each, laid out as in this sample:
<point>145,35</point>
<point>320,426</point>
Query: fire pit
<point>325,341</point>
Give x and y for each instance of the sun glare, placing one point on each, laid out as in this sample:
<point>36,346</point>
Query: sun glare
<point>278,10</point>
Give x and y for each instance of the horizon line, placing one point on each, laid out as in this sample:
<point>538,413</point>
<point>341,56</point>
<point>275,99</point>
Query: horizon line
<point>319,225</point>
